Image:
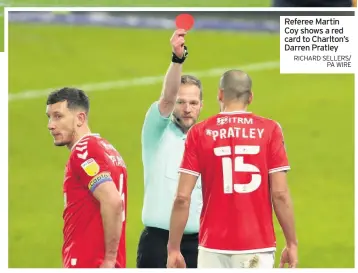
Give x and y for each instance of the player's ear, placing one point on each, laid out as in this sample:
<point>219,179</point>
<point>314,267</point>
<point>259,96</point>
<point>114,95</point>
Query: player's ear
<point>251,97</point>
<point>220,95</point>
<point>81,118</point>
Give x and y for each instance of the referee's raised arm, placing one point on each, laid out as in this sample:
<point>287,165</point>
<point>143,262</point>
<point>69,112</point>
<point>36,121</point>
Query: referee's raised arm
<point>172,78</point>
<point>157,117</point>
<point>163,138</point>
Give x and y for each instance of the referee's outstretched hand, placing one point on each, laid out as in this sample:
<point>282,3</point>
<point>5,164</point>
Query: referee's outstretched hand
<point>175,260</point>
<point>177,41</point>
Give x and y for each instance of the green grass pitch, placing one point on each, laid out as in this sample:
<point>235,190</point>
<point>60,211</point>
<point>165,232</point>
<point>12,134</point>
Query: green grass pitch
<point>140,3</point>
<point>125,3</point>
<point>315,111</point>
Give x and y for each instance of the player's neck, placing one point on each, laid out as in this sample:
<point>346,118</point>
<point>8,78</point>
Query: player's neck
<point>234,107</point>
<point>78,136</point>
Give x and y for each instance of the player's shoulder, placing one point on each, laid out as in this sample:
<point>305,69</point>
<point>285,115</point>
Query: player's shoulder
<point>198,127</point>
<point>267,122</point>
<point>89,146</point>
<point>201,126</point>
<point>217,119</point>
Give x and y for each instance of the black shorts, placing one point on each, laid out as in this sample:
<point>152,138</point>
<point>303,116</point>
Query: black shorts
<point>152,249</point>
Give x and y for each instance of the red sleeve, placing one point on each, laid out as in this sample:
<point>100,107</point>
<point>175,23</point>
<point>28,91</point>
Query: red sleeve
<point>277,157</point>
<point>92,166</point>
<point>190,161</point>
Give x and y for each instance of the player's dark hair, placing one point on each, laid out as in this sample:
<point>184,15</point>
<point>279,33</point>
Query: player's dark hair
<point>188,79</point>
<point>75,98</point>
<point>236,85</point>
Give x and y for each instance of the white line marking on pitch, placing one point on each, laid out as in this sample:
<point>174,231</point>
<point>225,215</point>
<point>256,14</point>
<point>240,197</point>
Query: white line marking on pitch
<point>142,81</point>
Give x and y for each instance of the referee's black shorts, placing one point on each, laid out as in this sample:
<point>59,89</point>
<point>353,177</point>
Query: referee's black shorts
<point>152,249</point>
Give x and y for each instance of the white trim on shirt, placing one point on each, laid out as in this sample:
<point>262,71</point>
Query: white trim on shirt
<point>280,169</point>
<point>249,251</point>
<point>234,112</point>
<point>181,170</point>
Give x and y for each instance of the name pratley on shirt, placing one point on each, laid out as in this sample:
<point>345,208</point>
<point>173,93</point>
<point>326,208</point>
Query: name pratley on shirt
<point>235,132</point>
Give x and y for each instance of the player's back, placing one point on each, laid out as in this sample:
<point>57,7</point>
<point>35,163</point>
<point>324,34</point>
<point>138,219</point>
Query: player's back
<point>93,161</point>
<point>235,155</point>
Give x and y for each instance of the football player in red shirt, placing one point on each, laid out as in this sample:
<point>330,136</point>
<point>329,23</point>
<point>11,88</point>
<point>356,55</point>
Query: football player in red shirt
<point>95,186</point>
<point>242,161</point>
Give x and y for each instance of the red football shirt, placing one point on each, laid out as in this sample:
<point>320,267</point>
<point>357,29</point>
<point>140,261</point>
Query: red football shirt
<point>93,161</point>
<point>234,153</point>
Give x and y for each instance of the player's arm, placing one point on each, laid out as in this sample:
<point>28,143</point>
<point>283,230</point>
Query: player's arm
<point>189,173</point>
<point>180,211</point>
<point>93,170</point>
<point>172,78</point>
<point>281,198</point>
<point>283,206</point>
<point>111,212</point>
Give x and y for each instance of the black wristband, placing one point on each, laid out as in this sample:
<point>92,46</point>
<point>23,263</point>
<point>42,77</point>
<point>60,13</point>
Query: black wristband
<point>176,59</point>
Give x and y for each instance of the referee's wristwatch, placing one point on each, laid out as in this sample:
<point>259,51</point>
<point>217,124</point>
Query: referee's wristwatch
<point>176,59</point>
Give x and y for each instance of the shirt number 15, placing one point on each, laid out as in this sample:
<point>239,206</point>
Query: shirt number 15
<point>239,166</point>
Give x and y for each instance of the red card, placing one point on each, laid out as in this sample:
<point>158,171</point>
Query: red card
<point>184,21</point>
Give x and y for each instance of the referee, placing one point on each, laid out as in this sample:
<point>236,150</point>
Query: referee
<point>163,137</point>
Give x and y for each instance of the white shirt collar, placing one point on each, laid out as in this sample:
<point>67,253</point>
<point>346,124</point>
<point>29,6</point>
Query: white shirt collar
<point>234,112</point>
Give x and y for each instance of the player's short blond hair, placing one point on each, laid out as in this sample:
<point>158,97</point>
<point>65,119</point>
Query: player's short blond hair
<point>189,79</point>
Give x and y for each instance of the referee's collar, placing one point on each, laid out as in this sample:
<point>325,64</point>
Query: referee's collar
<point>178,131</point>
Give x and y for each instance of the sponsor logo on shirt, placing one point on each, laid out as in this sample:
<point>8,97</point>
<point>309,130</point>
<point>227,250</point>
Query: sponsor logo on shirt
<point>90,166</point>
<point>222,121</point>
